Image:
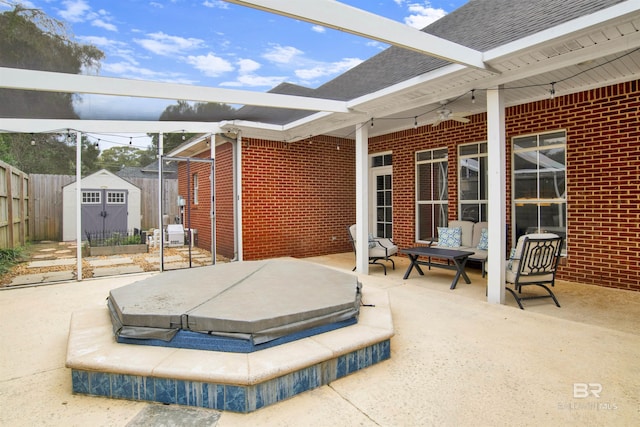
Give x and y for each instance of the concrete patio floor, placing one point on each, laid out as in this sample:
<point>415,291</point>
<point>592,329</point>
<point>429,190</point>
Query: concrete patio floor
<point>455,360</point>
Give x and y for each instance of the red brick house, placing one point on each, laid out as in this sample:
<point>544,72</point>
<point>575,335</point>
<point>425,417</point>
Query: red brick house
<point>559,102</point>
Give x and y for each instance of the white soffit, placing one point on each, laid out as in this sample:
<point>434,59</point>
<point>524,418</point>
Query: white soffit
<point>338,16</point>
<point>14,78</point>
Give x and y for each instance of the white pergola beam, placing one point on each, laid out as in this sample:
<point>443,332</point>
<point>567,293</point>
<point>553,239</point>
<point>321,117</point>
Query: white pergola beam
<point>341,17</point>
<point>105,126</point>
<point>13,78</point>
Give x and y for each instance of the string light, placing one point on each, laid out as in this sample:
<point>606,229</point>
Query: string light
<point>130,140</point>
<point>415,122</point>
<point>33,140</point>
<point>552,91</point>
<point>371,121</point>
<point>473,96</point>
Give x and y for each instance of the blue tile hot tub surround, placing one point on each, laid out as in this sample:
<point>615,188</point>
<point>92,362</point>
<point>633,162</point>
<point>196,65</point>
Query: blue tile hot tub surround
<point>237,382</point>
<point>226,397</point>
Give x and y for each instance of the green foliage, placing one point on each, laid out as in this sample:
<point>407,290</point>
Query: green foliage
<point>29,39</point>
<point>118,239</point>
<point>186,111</point>
<point>10,257</point>
<point>47,153</point>
<point>115,158</point>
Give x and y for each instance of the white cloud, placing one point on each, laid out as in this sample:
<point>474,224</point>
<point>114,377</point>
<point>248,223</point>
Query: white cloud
<point>328,69</point>
<point>75,11</point>
<point>423,15</point>
<point>210,65</point>
<point>164,44</point>
<point>247,66</point>
<point>101,24</point>
<point>282,54</point>
<point>216,4</point>
<point>318,29</point>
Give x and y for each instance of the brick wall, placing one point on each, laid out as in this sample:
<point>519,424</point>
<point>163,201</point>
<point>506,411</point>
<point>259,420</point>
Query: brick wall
<point>603,176</point>
<point>298,198</point>
<point>200,214</point>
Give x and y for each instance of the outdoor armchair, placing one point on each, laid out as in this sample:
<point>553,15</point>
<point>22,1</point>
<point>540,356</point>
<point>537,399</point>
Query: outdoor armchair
<point>534,262</point>
<point>380,249</point>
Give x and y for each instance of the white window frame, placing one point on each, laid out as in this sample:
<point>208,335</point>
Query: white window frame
<point>538,201</point>
<point>91,197</point>
<point>482,175</point>
<point>116,197</point>
<point>374,172</point>
<point>195,185</point>
<point>419,203</point>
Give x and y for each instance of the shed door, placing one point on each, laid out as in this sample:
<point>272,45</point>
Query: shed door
<point>104,211</point>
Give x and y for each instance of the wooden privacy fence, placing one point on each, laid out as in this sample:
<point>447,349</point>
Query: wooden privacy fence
<point>14,206</point>
<point>47,208</point>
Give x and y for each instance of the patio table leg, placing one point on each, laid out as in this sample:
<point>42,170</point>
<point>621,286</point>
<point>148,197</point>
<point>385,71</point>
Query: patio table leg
<point>414,264</point>
<point>460,264</point>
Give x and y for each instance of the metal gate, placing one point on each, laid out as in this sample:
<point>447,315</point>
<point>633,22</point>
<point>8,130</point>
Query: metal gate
<point>104,211</point>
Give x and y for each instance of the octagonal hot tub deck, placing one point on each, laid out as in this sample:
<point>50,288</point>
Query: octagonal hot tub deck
<point>239,382</point>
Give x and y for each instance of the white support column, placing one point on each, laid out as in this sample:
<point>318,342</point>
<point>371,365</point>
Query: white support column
<point>237,187</point>
<point>79,205</point>
<point>362,194</point>
<point>160,191</point>
<point>497,195</point>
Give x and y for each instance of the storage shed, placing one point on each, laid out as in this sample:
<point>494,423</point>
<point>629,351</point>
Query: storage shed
<point>109,204</point>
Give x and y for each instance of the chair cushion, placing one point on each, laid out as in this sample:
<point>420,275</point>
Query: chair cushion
<point>449,237</point>
<point>484,240</point>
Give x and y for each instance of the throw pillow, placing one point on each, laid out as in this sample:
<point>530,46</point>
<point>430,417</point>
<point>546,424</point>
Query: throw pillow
<point>483,244</point>
<point>372,241</point>
<point>449,237</point>
<point>512,255</point>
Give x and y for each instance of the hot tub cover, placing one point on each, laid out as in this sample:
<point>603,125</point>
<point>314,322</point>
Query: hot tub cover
<point>256,301</point>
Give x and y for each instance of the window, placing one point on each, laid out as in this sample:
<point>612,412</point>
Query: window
<point>382,191</point>
<point>431,193</point>
<point>472,179</point>
<point>116,197</point>
<point>91,197</point>
<point>539,184</point>
<point>195,188</point>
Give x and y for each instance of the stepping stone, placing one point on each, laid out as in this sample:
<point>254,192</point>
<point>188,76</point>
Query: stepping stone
<point>27,279</point>
<point>47,250</point>
<point>116,270</point>
<point>42,256</point>
<point>156,260</point>
<point>51,263</point>
<point>110,262</point>
<point>57,276</point>
<point>63,251</point>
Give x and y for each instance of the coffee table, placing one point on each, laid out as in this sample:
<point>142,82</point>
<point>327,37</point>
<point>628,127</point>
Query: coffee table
<point>459,259</point>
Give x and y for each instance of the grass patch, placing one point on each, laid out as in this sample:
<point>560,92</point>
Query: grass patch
<point>11,257</point>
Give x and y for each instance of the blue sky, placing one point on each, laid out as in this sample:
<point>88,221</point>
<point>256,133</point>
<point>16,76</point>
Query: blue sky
<point>215,43</point>
<point>219,44</point>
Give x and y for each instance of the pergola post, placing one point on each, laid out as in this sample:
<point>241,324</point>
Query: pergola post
<point>362,191</point>
<point>496,195</point>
